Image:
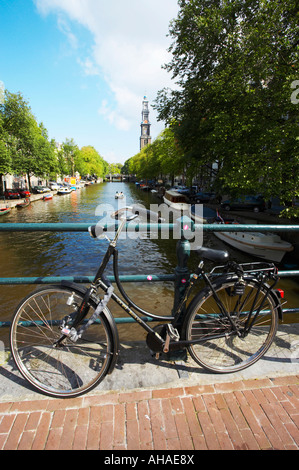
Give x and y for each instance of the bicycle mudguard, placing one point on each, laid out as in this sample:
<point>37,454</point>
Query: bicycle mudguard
<point>275,296</point>
<point>108,316</point>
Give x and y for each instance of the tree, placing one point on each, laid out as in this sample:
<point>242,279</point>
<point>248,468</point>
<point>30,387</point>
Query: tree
<point>115,168</point>
<point>89,162</point>
<point>161,158</point>
<point>6,151</point>
<point>70,152</point>
<point>27,148</point>
<point>234,62</point>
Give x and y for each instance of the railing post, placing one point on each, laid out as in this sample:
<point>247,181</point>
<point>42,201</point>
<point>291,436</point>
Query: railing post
<point>182,273</point>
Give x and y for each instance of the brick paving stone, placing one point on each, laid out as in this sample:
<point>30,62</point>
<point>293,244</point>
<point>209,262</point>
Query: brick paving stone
<point>119,435</point>
<point>209,432</point>
<point>69,429</point>
<point>26,440</point>
<point>253,414</point>
<point>16,432</point>
<point>193,423</point>
<point>145,433</point>
<point>42,432</point>
<point>106,441</point>
<point>54,439</point>
<point>169,420</point>
<point>157,424</point>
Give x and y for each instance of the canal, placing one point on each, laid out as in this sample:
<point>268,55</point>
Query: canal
<point>70,254</point>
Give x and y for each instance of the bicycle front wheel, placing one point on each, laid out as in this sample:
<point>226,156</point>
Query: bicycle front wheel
<point>217,347</point>
<point>67,370</point>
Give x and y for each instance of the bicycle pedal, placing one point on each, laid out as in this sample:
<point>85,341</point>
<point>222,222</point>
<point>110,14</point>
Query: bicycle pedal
<point>173,332</point>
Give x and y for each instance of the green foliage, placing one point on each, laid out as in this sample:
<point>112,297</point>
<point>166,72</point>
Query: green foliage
<point>235,62</point>
<point>162,157</point>
<point>26,149</point>
<point>115,168</point>
<point>89,162</point>
<point>5,150</point>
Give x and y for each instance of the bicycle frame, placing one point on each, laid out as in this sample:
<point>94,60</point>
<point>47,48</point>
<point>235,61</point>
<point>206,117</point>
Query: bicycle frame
<point>173,320</point>
<point>99,282</point>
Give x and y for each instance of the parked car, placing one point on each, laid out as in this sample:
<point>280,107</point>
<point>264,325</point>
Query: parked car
<point>177,188</point>
<point>40,189</point>
<point>201,197</point>
<point>24,192</point>
<point>12,194</point>
<point>251,203</point>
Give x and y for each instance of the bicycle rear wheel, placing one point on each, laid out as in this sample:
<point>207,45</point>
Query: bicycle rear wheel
<point>219,348</point>
<point>70,369</point>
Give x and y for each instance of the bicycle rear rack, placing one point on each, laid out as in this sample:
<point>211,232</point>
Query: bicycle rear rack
<point>254,268</point>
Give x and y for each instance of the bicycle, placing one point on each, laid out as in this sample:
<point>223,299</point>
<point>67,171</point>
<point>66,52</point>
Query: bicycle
<point>64,339</point>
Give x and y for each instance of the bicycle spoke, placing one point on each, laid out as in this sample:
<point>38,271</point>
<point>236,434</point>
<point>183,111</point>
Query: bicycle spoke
<point>221,349</point>
<point>69,368</point>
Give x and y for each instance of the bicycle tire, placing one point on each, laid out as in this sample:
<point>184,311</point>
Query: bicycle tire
<point>66,371</point>
<point>204,320</point>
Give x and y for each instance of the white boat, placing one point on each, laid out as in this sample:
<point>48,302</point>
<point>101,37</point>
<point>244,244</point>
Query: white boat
<point>263,245</point>
<point>64,190</point>
<point>119,195</point>
<point>176,200</point>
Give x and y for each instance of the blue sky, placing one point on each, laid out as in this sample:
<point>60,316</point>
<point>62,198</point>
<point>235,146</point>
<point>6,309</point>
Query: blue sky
<point>85,65</point>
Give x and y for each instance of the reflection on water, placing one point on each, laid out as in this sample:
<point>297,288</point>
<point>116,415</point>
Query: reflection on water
<point>68,254</point>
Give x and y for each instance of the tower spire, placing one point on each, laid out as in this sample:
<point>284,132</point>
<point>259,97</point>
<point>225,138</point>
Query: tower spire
<point>145,137</point>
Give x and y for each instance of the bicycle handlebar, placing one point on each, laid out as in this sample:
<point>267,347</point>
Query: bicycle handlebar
<point>153,216</point>
<point>96,231</point>
<point>119,211</point>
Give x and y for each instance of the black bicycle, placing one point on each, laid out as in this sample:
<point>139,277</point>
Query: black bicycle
<point>64,339</point>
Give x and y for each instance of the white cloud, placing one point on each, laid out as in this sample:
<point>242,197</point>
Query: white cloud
<point>89,66</point>
<point>114,117</point>
<point>129,48</point>
<point>66,29</point>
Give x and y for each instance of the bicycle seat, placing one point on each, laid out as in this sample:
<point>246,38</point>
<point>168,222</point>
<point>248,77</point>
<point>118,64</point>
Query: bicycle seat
<point>218,256</point>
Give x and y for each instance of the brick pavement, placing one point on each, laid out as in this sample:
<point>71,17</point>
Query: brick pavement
<point>244,415</point>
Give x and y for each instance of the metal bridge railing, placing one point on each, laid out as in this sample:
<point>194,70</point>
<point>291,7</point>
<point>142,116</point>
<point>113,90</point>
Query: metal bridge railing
<point>180,272</point>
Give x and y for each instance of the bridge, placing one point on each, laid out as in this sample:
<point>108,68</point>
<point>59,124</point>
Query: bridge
<point>117,178</point>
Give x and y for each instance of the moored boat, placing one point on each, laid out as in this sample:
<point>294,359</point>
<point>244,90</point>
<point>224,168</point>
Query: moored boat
<point>268,246</point>
<point>5,210</point>
<point>176,200</point>
<point>23,204</point>
<point>48,197</point>
<point>64,190</point>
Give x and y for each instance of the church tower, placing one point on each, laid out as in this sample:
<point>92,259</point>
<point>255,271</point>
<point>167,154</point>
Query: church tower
<point>145,138</point>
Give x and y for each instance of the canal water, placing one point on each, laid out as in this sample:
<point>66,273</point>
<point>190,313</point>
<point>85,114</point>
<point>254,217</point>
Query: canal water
<point>26,254</point>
